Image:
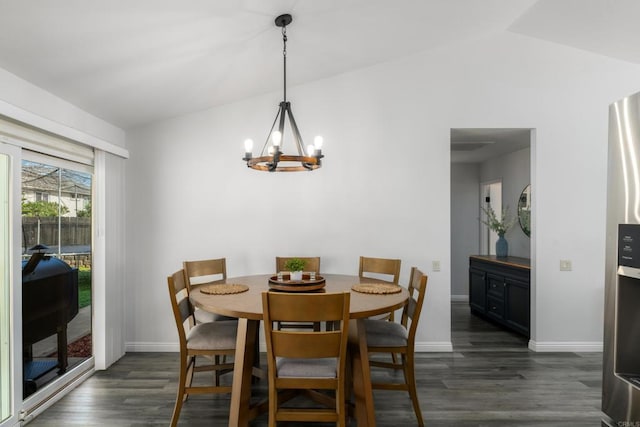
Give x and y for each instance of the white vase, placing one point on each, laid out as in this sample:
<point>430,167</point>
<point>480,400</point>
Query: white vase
<point>296,275</point>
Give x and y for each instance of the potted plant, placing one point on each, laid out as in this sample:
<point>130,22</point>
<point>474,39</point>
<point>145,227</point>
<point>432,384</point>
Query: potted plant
<point>295,267</point>
<point>500,226</point>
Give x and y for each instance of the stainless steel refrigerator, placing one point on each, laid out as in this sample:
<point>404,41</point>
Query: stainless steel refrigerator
<point>621,356</point>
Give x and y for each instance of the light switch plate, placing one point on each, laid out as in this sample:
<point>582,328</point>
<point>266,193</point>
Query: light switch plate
<point>435,265</point>
<point>565,265</point>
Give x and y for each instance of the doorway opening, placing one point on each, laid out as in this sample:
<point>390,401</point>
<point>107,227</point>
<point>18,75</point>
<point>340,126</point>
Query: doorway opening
<point>489,168</point>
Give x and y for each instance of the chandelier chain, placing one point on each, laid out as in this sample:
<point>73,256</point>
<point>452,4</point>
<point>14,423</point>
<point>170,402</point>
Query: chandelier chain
<point>284,59</point>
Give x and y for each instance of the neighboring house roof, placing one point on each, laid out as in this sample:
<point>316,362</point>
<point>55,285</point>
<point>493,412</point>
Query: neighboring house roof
<point>44,178</point>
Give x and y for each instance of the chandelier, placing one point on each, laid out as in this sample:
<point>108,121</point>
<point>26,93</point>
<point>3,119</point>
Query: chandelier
<point>271,159</point>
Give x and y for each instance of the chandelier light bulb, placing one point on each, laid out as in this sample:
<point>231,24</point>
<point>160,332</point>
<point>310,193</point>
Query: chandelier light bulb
<point>276,137</point>
<point>248,145</point>
<point>271,150</point>
<point>317,142</point>
<point>311,150</point>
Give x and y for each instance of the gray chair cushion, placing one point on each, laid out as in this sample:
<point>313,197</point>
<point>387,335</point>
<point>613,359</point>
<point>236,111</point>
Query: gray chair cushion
<point>382,333</point>
<point>306,368</point>
<point>219,335</point>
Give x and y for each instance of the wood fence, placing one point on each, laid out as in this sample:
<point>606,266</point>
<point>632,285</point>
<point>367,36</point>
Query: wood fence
<point>74,231</point>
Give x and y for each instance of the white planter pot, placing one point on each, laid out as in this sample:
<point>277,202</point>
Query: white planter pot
<point>296,275</point>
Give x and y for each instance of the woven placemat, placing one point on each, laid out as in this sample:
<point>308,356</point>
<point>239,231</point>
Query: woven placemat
<point>376,288</point>
<point>224,289</point>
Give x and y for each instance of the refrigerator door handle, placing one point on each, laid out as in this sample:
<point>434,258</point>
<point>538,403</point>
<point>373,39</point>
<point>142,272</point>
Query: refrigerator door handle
<point>624,270</point>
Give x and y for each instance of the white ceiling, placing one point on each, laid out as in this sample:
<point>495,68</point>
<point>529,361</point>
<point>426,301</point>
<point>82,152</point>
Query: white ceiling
<point>135,62</point>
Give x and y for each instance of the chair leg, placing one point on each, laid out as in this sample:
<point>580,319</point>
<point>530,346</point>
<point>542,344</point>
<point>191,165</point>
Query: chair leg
<point>273,404</point>
<point>217,372</point>
<point>181,397</point>
<point>392,318</point>
<point>409,374</point>
<point>341,405</point>
<point>189,369</point>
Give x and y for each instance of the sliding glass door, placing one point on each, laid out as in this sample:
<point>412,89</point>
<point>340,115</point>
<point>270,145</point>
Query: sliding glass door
<point>57,261</point>
<point>46,259</point>
<point>5,286</point>
<point>10,401</point>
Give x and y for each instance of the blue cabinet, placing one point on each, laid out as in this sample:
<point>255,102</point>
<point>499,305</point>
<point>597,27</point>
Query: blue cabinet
<point>500,290</point>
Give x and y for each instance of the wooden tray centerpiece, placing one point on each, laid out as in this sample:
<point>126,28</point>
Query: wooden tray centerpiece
<point>283,282</point>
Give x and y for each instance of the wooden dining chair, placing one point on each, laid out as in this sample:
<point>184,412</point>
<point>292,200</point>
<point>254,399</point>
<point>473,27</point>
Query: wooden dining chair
<point>306,360</point>
<point>399,338</point>
<point>311,263</point>
<point>205,271</point>
<point>211,339</point>
<point>383,269</point>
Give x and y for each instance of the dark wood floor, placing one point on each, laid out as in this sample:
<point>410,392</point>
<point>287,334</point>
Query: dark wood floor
<point>491,379</point>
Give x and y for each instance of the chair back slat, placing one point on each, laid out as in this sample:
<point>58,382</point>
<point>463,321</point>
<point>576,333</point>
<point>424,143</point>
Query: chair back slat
<point>180,304</point>
<point>292,307</point>
<point>380,266</point>
<point>311,263</point>
<point>411,312</point>
<point>184,307</point>
<point>306,344</point>
<point>207,270</point>
<point>411,308</point>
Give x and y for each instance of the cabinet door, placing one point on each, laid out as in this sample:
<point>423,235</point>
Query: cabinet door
<point>477,289</point>
<point>517,308</point>
<point>495,286</point>
<point>495,308</point>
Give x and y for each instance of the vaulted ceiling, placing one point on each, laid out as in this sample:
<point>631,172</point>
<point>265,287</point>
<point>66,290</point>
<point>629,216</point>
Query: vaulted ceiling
<point>136,62</point>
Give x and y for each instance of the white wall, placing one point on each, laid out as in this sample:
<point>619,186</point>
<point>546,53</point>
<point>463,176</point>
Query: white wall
<point>514,169</point>
<point>465,226</point>
<point>385,187</point>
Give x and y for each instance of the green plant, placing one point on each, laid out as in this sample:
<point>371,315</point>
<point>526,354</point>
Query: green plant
<point>86,212</point>
<point>295,264</point>
<point>84,287</point>
<point>43,209</point>
<point>499,225</point>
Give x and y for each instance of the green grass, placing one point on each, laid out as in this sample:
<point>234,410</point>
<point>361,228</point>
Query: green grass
<point>84,287</point>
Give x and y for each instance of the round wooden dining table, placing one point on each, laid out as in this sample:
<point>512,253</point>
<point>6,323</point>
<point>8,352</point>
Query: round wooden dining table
<point>247,307</point>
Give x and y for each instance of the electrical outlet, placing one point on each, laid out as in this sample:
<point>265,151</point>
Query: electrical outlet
<point>565,265</point>
<point>435,265</point>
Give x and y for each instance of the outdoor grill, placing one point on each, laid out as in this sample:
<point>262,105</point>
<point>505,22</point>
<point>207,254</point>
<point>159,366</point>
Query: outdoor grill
<point>49,302</point>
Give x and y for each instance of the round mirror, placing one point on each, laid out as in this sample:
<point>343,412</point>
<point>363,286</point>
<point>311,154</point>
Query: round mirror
<point>524,210</point>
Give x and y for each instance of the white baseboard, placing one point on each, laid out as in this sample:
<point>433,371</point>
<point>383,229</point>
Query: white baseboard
<point>566,346</point>
<point>434,347</point>
<point>459,298</point>
<point>153,347</point>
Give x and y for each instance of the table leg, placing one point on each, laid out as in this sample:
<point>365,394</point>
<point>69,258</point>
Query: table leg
<point>362,390</point>
<point>240,411</point>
